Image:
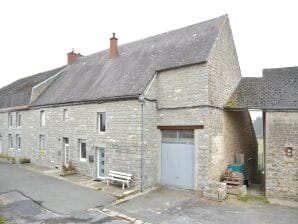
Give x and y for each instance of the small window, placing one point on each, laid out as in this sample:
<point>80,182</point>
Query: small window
<point>101,122</point>
<point>83,151</point>
<point>10,119</point>
<point>18,119</point>
<point>65,114</point>
<point>42,143</point>
<point>18,141</point>
<point>42,118</point>
<point>10,141</point>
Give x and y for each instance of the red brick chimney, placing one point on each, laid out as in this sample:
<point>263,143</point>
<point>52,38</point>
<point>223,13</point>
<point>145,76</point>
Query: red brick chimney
<point>72,57</point>
<point>113,46</point>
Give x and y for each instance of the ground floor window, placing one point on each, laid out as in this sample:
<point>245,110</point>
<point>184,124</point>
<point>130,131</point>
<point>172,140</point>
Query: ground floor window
<point>42,143</point>
<point>10,141</point>
<point>83,150</point>
<point>18,141</point>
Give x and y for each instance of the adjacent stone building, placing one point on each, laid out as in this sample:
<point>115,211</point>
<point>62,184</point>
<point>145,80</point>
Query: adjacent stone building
<point>153,108</point>
<point>276,94</point>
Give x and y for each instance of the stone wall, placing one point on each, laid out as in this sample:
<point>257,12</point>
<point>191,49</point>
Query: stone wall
<point>122,138</point>
<point>281,169</point>
<point>224,76</point>
<point>239,137</point>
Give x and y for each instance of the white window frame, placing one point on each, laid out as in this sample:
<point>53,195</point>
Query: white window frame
<point>42,118</point>
<point>80,150</point>
<point>10,141</point>
<point>18,119</point>
<point>18,142</point>
<point>99,122</point>
<point>65,114</point>
<point>42,143</point>
<point>10,120</point>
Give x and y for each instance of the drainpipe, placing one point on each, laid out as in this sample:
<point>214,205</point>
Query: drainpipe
<point>142,101</point>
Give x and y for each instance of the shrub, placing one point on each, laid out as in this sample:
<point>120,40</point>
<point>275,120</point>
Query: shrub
<point>24,160</point>
<point>7,157</point>
<point>2,220</point>
<point>69,167</point>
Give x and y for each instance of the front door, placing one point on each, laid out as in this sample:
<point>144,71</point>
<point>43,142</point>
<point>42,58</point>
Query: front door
<point>65,155</point>
<point>101,160</point>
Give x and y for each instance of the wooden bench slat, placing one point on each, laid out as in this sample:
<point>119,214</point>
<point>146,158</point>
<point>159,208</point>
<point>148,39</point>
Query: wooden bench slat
<point>120,173</point>
<point>119,176</point>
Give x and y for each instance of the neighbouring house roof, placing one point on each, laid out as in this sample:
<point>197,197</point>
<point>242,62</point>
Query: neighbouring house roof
<point>276,90</point>
<point>18,93</point>
<point>96,77</point>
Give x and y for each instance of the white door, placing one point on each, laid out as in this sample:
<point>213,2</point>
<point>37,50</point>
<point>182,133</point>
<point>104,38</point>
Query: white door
<point>101,160</point>
<point>177,159</point>
<point>65,151</point>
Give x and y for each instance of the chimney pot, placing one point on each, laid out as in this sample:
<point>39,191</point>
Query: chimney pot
<point>72,57</point>
<point>113,46</point>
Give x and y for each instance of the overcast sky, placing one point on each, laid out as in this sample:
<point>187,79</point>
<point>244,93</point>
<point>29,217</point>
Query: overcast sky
<point>35,35</point>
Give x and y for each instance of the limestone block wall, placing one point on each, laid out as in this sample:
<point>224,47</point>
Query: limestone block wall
<point>281,168</point>
<point>122,138</point>
<point>224,76</point>
<point>239,137</point>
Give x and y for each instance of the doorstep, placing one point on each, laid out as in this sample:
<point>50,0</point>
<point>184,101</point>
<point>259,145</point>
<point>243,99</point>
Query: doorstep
<point>84,181</point>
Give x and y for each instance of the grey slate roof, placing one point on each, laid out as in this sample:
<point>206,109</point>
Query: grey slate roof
<point>96,77</point>
<point>276,90</point>
<point>18,93</point>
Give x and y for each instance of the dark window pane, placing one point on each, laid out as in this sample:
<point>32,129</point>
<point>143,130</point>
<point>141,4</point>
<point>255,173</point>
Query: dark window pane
<point>103,122</point>
<point>83,150</point>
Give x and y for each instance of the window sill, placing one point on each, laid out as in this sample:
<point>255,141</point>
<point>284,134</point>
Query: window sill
<point>83,160</point>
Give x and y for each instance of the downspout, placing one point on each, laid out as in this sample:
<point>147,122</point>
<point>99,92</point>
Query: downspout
<point>142,101</point>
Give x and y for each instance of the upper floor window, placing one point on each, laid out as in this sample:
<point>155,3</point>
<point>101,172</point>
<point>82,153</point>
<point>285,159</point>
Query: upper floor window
<point>9,119</point>
<point>10,141</point>
<point>83,150</point>
<point>65,114</point>
<point>42,118</point>
<point>101,122</point>
<point>18,119</point>
<point>18,141</point>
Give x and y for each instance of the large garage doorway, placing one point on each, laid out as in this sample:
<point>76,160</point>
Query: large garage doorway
<point>177,158</point>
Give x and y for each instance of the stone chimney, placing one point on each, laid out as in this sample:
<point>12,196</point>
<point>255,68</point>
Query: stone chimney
<point>113,46</point>
<point>72,57</point>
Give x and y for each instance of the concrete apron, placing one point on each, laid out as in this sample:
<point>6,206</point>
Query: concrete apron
<point>84,181</point>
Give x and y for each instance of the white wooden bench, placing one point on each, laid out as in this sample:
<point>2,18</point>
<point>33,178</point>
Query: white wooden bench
<point>124,178</point>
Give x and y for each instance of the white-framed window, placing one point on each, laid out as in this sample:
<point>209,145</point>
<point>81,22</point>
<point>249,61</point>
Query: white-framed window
<point>83,150</point>
<point>10,117</point>
<point>18,119</point>
<point>42,118</point>
<point>10,141</point>
<point>42,143</point>
<point>101,122</point>
<point>18,141</point>
<point>65,114</point>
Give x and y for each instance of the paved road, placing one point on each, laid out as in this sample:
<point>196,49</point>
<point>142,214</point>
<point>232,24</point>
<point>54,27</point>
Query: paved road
<point>54,194</point>
<point>168,206</point>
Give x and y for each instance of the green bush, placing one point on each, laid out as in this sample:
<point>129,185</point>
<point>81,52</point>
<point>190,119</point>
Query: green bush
<point>7,157</point>
<point>24,160</point>
<point>2,220</point>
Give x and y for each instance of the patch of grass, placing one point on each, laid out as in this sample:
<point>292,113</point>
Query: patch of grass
<point>24,160</point>
<point>3,220</point>
<point>260,198</point>
<point>244,198</point>
<point>7,157</point>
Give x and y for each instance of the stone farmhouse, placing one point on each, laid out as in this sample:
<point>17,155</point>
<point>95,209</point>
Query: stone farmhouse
<point>167,109</point>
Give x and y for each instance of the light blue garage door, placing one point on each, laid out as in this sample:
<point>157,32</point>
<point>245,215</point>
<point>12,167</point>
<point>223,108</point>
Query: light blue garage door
<point>177,159</point>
